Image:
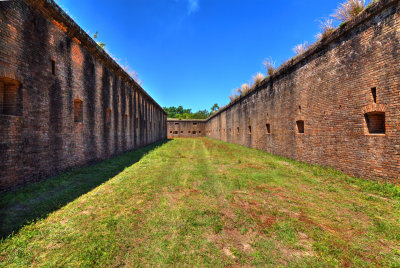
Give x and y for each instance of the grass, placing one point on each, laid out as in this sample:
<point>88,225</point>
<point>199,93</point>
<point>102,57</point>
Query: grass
<point>301,48</point>
<point>270,66</point>
<point>327,29</point>
<point>257,79</point>
<point>38,200</point>
<point>202,202</point>
<point>349,10</point>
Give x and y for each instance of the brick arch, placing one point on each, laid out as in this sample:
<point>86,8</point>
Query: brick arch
<point>374,107</point>
<point>6,72</point>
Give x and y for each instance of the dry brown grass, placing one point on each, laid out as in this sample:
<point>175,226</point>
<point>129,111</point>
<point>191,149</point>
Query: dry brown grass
<point>236,93</point>
<point>349,10</point>
<point>132,73</point>
<point>233,96</point>
<point>327,29</point>
<point>245,88</point>
<point>269,65</point>
<point>301,48</point>
<point>257,79</point>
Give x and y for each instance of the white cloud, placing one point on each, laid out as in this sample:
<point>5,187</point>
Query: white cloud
<point>193,6</point>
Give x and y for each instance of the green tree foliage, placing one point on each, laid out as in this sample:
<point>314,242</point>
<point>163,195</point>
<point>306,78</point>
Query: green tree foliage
<point>101,44</point>
<point>214,108</point>
<point>181,113</point>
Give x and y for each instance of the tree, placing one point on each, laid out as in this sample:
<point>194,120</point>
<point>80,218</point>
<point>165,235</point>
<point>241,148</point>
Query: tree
<point>181,113</point>
<point>214,108</point>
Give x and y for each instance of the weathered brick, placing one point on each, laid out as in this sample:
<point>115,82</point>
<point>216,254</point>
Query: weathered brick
<point>330,88</point>
<point>56,64</point>
<point>185,128</point>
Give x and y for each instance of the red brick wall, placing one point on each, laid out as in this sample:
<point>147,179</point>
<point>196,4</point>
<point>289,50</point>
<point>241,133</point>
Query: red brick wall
<point>41,138</point>
<point>1,96</point>
<point>185,128</point>
<point>329,88</point>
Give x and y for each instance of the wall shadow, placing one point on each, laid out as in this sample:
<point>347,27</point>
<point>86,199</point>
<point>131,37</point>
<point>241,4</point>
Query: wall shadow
<point>36,200</point>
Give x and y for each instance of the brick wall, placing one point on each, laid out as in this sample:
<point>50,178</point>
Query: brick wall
<point>185,128</point>
<point>48,64</point>
<point>330,88</point>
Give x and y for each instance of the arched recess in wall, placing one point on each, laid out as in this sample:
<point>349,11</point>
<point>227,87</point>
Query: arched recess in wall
<point>10,97</point>
<point>375,117</point>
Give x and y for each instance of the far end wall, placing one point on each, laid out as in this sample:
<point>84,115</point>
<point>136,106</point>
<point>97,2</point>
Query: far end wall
<point>185,128</point>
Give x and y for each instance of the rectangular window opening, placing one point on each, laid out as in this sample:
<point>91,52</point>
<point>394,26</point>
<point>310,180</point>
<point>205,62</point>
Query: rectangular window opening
<point>375,122</point>
<point>1,96</point>
<point>53,67</point>
<point>78,111</point>
<point>108,117</point>
<point>300,126</point>
<point>249,129</point>
<point>268,128</point>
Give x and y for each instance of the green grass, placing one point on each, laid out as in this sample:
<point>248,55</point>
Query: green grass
<point>202,202</point>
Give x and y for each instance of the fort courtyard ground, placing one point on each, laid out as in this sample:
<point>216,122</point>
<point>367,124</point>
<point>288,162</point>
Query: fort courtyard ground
<point>202,202</point>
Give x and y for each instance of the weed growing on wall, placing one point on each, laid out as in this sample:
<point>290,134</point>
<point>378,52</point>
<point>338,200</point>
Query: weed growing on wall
<point>301,48</point>
<point>327,28</point>
<point>349,10</point>
<point>269,65</point>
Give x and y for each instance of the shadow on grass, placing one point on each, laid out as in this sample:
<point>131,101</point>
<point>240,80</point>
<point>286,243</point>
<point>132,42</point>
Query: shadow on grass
<point>37,200</point>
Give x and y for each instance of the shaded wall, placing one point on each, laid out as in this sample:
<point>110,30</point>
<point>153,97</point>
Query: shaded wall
<point>344,91</point>
<point>74,105</point>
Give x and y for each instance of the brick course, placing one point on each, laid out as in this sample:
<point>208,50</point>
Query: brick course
<point>56,65</point>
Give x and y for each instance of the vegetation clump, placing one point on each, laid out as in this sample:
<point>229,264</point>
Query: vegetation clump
<point>257,79</point>
<point>327,29</point>
<point>349,10</point>
<point>301,48</point>
<point>235,95</point>
<point>101,44</point>
<point>269,65</point>
<point>345,12</point>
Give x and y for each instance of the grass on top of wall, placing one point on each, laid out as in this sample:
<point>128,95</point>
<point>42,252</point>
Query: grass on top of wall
<point>202,202</point>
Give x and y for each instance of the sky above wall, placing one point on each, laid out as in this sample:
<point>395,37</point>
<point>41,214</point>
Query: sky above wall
<point>194,53</point>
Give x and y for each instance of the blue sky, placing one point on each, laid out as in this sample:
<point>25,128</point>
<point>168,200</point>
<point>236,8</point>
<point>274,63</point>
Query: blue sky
<point>194,53</point>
